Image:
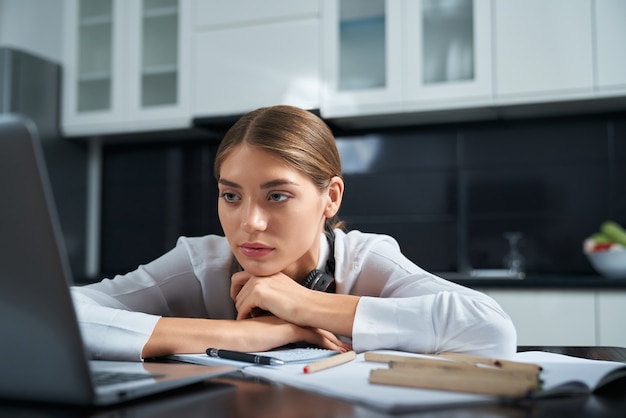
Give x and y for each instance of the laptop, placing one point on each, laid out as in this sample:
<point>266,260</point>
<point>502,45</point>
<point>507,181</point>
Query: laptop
<point>42,353</point>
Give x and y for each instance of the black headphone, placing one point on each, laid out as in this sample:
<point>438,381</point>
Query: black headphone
<point>324,280</point>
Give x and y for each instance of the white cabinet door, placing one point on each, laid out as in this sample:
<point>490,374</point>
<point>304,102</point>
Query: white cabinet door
<point>126,66</point>
<point>448,54</point>
<point>550,317</point>
<point>611,315</point>
<point>237,12</point>
<point>159,64</point>
<point>362,63</point>
<point>93,85</point>
<point>239,69</point>
<point>610,27</point>
<point>543,49</point>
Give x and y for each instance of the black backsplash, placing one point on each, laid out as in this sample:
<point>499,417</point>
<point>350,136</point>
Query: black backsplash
<point>447,193</point>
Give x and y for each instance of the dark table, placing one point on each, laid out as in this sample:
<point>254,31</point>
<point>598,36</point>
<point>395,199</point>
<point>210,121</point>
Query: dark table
<point>238,396</point>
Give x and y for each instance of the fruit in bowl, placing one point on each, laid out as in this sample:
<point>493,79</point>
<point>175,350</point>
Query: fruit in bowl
<point>606,250</point>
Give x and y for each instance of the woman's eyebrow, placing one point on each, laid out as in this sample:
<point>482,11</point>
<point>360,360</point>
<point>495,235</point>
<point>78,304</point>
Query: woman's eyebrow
<point>266,185</point>
<point>278,182</point>
<point>228,183</point>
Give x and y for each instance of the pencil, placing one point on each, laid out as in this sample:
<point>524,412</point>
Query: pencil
<point>482,384</point>
<point>503,364</point>
<point>330,362</point>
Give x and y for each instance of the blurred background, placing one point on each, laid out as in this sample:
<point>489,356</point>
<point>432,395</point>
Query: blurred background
<point>459,122</point>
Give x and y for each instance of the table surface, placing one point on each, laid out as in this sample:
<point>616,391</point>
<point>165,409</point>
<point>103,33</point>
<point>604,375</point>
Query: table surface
<point>239,396</point>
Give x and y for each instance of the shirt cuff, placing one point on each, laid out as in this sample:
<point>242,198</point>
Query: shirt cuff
<point>107,340</point>
<point>393,324</point>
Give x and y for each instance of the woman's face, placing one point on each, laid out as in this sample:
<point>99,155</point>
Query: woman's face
<point>271,213</point>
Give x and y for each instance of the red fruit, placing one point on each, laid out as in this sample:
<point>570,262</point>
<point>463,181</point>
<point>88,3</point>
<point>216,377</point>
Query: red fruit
<point>602,246</point>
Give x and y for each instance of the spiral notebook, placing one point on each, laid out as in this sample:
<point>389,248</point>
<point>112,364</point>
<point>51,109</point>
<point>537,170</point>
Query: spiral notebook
<point>290,355</point>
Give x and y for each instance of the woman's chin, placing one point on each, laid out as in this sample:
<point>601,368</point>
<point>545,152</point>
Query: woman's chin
<point>258,271</point>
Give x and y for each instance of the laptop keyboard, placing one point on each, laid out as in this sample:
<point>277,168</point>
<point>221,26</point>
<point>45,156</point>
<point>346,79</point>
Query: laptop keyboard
<point>103,378</point>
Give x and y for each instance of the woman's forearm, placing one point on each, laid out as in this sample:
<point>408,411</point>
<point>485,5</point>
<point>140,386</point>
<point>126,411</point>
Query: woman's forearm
<point>332,312</point>
<point>195,335</point>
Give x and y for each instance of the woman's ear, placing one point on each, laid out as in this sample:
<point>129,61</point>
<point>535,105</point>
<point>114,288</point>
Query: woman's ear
<point>335,195</point>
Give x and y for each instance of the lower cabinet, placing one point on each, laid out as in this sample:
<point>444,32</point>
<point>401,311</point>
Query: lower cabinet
<point>611,312</point>
<point>565,317</point>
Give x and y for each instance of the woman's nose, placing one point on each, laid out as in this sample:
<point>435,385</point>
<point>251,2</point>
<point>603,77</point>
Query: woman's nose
<point>253,219</point>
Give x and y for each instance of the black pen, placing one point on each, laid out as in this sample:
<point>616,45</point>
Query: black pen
<point>245,357</point>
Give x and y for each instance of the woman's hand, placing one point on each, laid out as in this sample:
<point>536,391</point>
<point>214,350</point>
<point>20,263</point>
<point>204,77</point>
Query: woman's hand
<point>283,297</point>
<point>288,333</point>
<point>278,294</point>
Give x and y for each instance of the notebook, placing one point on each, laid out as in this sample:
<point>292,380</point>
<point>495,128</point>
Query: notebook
<point>42,353</point>
<point>289,354</point>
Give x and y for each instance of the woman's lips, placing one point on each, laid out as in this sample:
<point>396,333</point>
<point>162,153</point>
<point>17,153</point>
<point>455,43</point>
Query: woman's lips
<point>254,250</point>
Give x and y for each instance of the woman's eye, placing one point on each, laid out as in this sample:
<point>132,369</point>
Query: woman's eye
<point>278,197</point>
<point>229,197</point>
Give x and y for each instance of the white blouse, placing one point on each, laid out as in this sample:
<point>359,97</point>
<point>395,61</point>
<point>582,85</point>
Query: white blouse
<point>402,307</point>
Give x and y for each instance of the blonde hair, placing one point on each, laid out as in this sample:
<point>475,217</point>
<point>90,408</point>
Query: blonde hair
<point>295,135</point>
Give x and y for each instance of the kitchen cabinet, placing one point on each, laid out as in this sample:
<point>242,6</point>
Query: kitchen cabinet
<point>126,66</point>
<point>550,317</point>
<point>611,313</point>
<point>397,56</point>
<point>362,43</point>
<point>448,54</point>
<point>241,68</point>
<point>565,317</point>
<point>610,30</point>
<point>210,13</point>
<point>543,50</point>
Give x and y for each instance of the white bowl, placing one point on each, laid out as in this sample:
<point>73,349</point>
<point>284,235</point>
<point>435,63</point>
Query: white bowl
<point>610,264</point>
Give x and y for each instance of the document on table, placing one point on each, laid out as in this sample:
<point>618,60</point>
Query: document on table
<point>561,375</point>
<point>350,382</point>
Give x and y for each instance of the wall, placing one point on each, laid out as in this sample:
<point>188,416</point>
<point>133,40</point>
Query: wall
<point>449,193</point>
<point>19,18</point>
<point>446,192</point>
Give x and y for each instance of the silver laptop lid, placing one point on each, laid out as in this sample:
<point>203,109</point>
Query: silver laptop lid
<point>42,352</point>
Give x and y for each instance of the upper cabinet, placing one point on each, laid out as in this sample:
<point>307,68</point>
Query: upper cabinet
<point>150,65</point>
<point>419,59</point>
<point>543,49</point>
<point>249,54</point>
<point>126,66</point>
<point>212,13</point>
<point>610,29</point>
<point>399,55</point>
<point>448,53</point>
<point>362,44</point>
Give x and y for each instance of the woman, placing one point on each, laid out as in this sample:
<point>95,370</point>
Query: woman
<point>280,189</point>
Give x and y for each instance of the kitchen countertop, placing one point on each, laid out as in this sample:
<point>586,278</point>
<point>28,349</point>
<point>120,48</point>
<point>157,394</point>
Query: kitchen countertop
<point>537,282</point>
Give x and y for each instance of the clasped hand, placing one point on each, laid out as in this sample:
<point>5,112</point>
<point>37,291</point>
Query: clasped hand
<point>280,296</point>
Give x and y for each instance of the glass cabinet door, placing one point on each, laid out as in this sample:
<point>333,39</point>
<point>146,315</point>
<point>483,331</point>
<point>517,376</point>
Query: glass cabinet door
<point>447,41</point>
<point>448,50</point>
<point>362,45</point>
<point>158,65</point>
<point>126,65</point>
<point>95,51</point>
<point>362,51</point>
<point>159,48</point>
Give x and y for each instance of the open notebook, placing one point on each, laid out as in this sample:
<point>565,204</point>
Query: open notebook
<point>295,355</point>
<point>561,376</point>
<point>42,351</point>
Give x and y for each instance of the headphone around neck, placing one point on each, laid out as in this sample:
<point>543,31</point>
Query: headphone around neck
<point>324,280</point>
